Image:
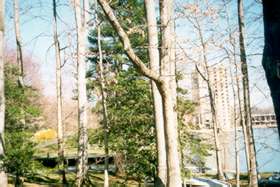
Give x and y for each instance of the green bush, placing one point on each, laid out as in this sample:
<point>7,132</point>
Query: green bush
<point>18,158</point>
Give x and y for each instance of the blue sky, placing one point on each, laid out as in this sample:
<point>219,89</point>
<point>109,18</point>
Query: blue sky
<point>36,28</point>
<point>260,94</point>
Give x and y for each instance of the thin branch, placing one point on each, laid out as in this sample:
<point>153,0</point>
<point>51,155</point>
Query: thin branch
<point>126,43</point>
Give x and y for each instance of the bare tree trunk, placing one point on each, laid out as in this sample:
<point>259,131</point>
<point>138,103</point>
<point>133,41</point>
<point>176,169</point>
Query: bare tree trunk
<point>236,142</point>
<point>81,11</point>
<point>253,175</point>
<point>237,163</point>
<point>232,42</point>
<point>169,94</point>
<point>60,129</point>
<point>18,43</point>
<point>3,175</point>
<point>104,102</point>
<point>171,136</point>
<point>206,78</point>
<point>163,84</point>
<point>241,116</point>
<point>19,54</point>
<point>218,149</point>
<point>242,124</point>
<point>105,111</point>
<point>158,112</point>
<point>126,42</point>
<point>271,53</point>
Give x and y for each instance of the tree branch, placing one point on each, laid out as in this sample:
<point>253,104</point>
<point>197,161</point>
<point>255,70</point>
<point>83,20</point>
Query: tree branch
<point>200,73</point>
<point>126,43</point>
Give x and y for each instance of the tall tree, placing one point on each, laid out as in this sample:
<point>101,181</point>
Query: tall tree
<point>163,83</point>
<point>3,175</point>
<point>103,98</point>
<point>218,149</point>
<point>60,129</point>
<point>105,111</point>
<point>271,53</point>
<point>113,61</point>
<point>168,73</point>
<point>207,79</point>
<point>81,17</point>
<point>238,112</point>
<point>18,42</point>
<point>241,116</point>
<point>233,60</point>
<point>235,121</point>
<point>202,17</point>
<point>132,128</point>
<point>197,20</point>
<point>253,175</point>
<point>155,66</point>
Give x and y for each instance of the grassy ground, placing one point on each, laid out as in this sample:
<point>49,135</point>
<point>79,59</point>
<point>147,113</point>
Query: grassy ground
<point>49,177</point>
<point>45,177</point>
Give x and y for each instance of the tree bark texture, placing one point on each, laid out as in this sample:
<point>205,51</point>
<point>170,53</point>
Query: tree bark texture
<point>60,128</point>
<point>238,108</point>
<point>3,175</point>
<point>253,175</point>
<point>218,148</point>
<point>157,100</point>
<point>271,53</point>
<point>241,119</point>
<point>19,53</point>
<point>171,136</point>
<point>168,92</point>
<point>238,96</point>
<point>236,139</point>
<point>104,102</point>
<point>206,78</point>
<point>81,11</point>
<point>163,84</point>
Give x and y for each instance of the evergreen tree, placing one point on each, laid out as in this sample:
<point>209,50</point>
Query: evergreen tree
<point>129,98</point>
<point>19,148</point>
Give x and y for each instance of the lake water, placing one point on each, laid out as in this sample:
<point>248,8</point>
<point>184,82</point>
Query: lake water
<point>267,148</point>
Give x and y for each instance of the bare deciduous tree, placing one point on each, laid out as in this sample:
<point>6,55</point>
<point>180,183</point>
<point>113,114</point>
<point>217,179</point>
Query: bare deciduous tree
<point>3,175</point>
<point>157,100</point>
<point>103,98</point>
<point>60,129</point>
<point>238,112</point>
<point>235,121</point>
<point>168,91</point>
<point>253,175</point>
<point>218,148</point>
<point>81,17</point>
<point>162,81</point>
<point>18,43</point>
<point>197,17</point>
